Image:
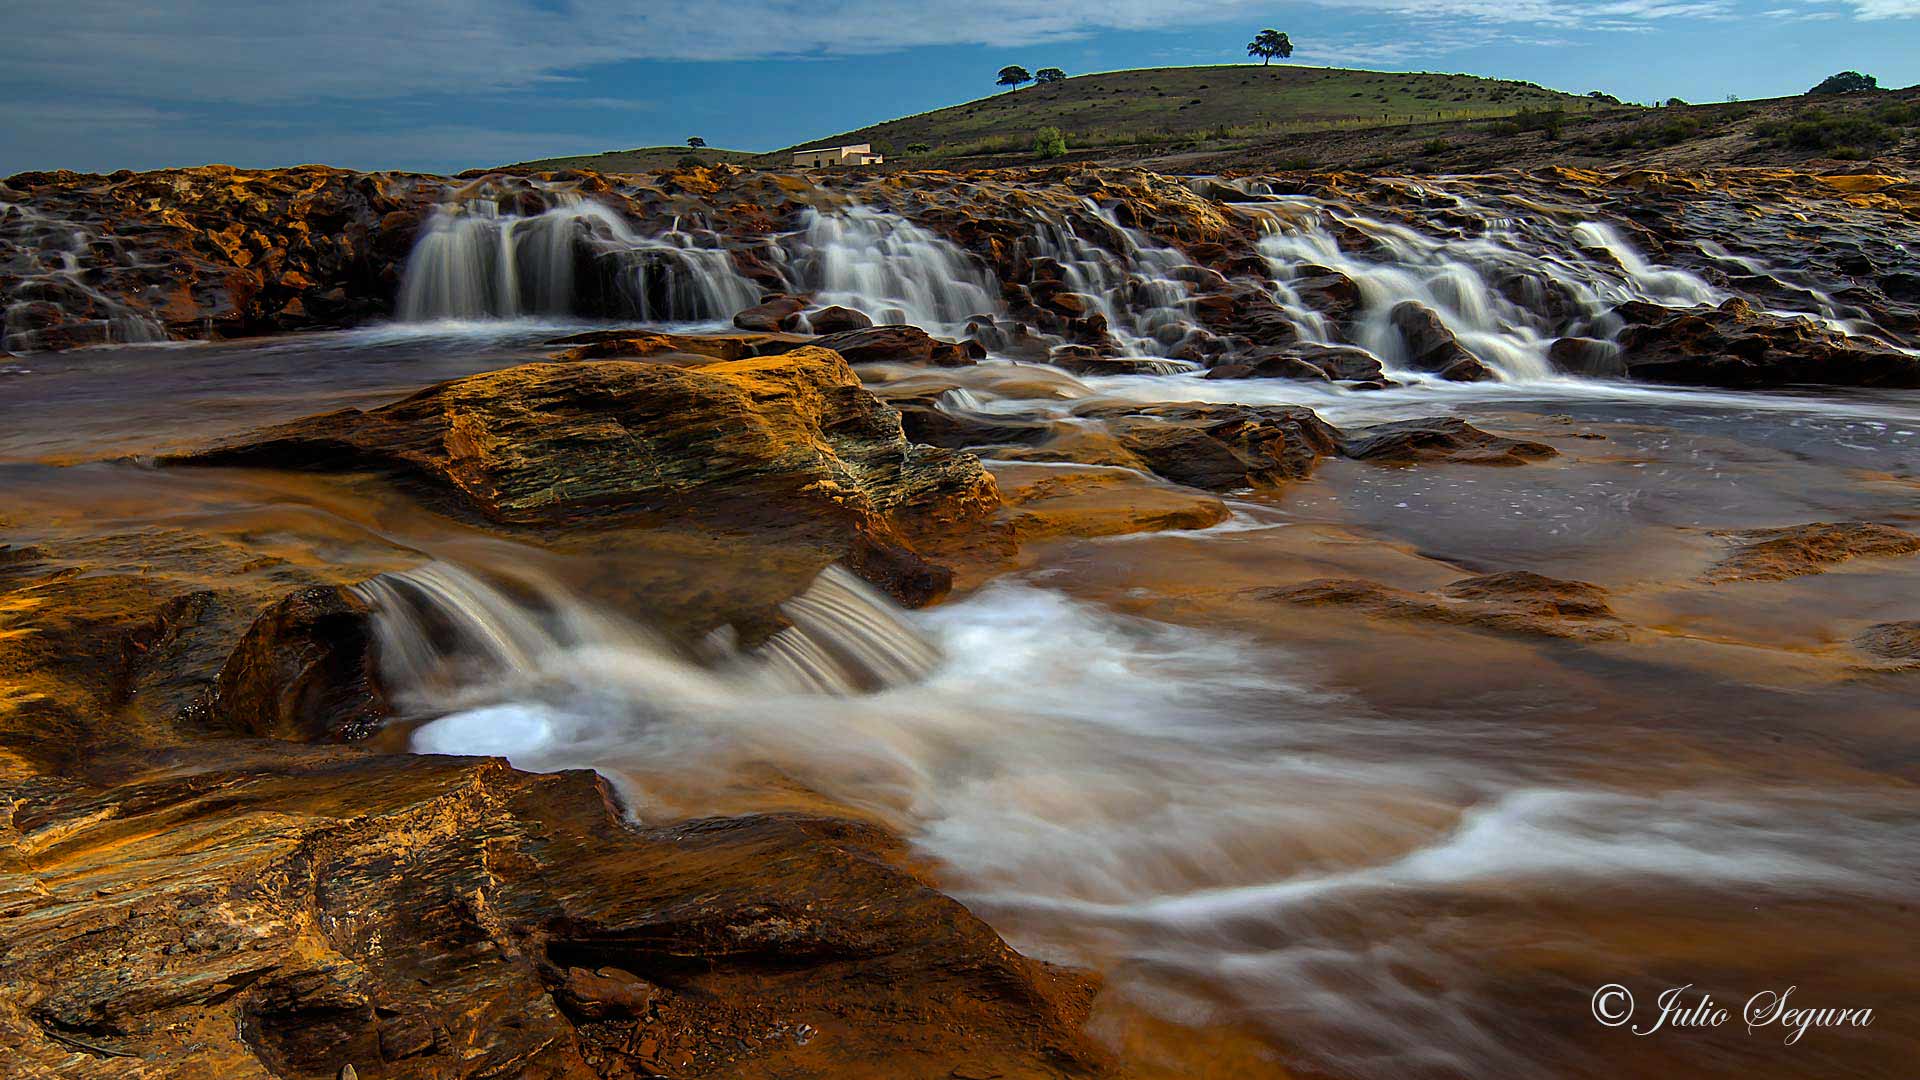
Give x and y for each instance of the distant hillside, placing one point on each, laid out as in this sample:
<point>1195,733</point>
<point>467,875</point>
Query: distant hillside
<point>1196,104</point>
<point>639,159</point>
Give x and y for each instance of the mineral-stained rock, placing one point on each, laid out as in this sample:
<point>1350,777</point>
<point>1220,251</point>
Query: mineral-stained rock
<point>1519,602</point>
<point>1798,550</point>
<point>304,671</point>
<point>1733,345</point>
<point>247,908</point>
<point>1443,438</point>
<point>1046,501</point>
<point>1221,447</point>
<point>783,442</point>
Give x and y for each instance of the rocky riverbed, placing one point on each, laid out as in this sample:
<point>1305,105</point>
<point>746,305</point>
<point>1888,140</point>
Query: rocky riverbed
<point>1071,622</point>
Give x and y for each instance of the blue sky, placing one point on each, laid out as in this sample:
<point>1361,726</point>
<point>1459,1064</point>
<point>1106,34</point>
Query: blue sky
<point>443,85</point>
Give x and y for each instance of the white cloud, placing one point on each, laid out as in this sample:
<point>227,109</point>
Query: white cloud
<point>245,52</point>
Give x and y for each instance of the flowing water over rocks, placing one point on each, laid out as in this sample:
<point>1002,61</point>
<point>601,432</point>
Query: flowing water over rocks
<point>1282,608</point>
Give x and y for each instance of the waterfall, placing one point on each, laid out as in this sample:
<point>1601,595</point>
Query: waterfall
<point>474,261</point>
<point>448,639</point>
<point>53,305</point>
<point>1507,292</point>
<point>891,269</point>
<point>1131,284</point>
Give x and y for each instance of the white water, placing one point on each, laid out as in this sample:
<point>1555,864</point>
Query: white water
<point>472,261</point>
<point>1470,282</point>
<point>1169,804</point>
<point>889,268</point>
<point>52,258</point>
<point>1130,282</point>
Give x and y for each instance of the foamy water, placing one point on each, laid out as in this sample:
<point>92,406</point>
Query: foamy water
<point>1184,809</point>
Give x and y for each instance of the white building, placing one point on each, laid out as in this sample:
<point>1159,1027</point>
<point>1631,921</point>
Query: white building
<point>832,157</point>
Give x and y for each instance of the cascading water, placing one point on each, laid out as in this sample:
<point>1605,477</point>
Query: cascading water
<point>577,257</point>
<point>1110,787</point>
<point>889,268</point>
<point>1506,293</point>
<point>450,639</point>
<point>1131,283</point>
<point>53,305</point>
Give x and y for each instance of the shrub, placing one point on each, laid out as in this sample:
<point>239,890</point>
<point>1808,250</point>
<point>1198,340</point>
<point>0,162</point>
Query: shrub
<point>1049,143</point>
<point>1674,102</point>
<point>918,148</point>
<point>1818,130</point>
<point>1436,146</point>
<point>691,161</point>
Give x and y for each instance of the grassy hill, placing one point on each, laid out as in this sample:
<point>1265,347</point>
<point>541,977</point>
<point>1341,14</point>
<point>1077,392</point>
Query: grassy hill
<point>639,159</point>
<point>1197,104</point>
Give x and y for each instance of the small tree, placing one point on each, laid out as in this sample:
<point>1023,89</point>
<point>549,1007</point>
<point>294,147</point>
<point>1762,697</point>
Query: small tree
<point>1846,82</point>
<point>697,143</point>
<point>1049,75</point>
<point>1049,143</point>
<point>1013,76</point>
<point>1268,44</point>
<point>1674,102</point>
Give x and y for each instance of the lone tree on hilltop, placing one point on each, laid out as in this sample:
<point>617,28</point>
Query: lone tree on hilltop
<point>1012,76</point>
<point>1049,75</point>
<point>1268,44</point>
<point>697,143</point>
<point>1847,82</point>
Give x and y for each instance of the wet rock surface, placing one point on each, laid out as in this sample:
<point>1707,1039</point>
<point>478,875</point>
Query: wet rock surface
<point>789,442</point>
<point>1102,259</point>
<point>1408,442</point>
<point>1735,346</point>
<point>274,910</point>
<point>1799,550</point>
<point>1514,602</point>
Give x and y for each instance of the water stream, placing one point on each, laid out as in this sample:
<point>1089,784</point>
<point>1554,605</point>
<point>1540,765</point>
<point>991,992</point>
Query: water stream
<point>1373,849</point>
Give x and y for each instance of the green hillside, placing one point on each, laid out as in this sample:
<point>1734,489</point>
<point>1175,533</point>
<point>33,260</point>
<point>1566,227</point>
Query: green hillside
<point>639,159</point>
<point>1236,102</point>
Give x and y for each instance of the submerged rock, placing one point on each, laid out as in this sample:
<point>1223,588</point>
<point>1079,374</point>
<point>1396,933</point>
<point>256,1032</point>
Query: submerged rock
<point>1518,602</point>
<point>1894,641</point>
<point>1799,550</point>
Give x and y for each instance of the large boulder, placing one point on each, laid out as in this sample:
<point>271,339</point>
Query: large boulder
<point>836,319</point>
<point>788,442</point>
<point>1734,345</point>
<point>1432,347</point>
<point>772,315</point>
